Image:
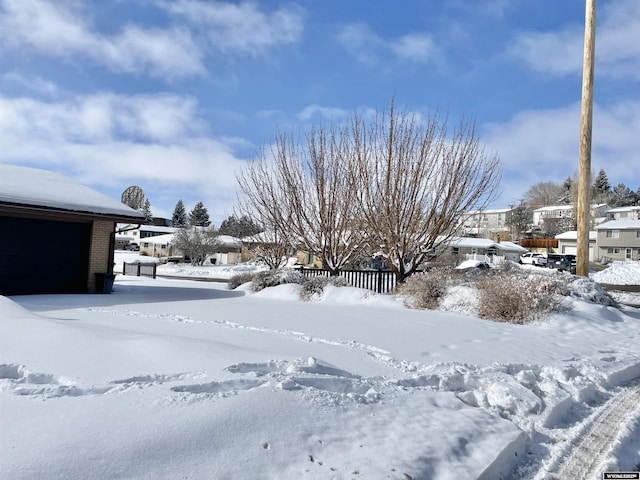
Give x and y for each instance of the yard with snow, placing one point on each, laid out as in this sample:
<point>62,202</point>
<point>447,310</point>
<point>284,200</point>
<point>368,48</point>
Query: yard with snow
<point>171,378</point>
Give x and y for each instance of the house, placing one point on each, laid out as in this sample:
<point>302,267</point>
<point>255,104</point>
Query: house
<point>619,240</point>
<point>485,248</point>
<point>138,233</point>
<point>484,223</point>
<point>624,213</point>
<point>57,235</point>
<point>598,213</point>
<point>568,243</point>
<point>228,249</point>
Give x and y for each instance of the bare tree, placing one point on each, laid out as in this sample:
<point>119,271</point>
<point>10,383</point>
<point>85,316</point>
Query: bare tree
<point>301,192</point>
<point>196,243</point>
<point>543,194</point>
<point>413,182</point>
<point>271,247</point>
<point>393,183</point>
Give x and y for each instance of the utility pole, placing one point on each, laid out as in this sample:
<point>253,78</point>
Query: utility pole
<point>586,115</point>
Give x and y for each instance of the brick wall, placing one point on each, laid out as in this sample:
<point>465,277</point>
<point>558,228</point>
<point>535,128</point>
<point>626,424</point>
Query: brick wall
<point>100,251</point>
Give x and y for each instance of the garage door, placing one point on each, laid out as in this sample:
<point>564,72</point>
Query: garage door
<point>43,256</point>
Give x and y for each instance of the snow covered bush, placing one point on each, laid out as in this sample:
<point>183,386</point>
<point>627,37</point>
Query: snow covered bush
<point>272,278</point>
<point>424,290</point>
<point>589,291</point>
<point>520,297</point>
<point>312,289</point>
<point>239,279</point>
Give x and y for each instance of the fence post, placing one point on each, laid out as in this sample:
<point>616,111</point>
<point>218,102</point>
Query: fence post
<point>124,268</point>
<point>379,281</point>
<point>154,270</point>
<point>138,274</point>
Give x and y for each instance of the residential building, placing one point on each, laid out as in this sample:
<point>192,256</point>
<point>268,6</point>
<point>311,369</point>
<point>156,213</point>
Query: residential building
<point>624,213</point>
<point>484,248</point>
<point>568,243</point>
<point>558,212</point>
<point>619,240</point>
<point>57,235</point>
<point>486,222</point>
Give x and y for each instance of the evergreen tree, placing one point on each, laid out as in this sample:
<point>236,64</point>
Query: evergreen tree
<point>146,210</point>
<point>622,196</point>
<point>601,188</point>
<point>199,216</point>
<point>521,219</point>
<point>567,191</point>
<point>239,227</point>
<point>179,217</point>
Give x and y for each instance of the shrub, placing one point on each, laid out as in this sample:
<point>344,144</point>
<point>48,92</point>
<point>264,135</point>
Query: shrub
<point>239,279</point>
<point>424,290</point>
<point>518,297</point>
<point>272,278</point>
<point>589,291</point>
<point>313,288</point>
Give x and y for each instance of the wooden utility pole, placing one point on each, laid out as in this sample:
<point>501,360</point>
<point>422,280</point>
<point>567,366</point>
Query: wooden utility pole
<point>586,115</point>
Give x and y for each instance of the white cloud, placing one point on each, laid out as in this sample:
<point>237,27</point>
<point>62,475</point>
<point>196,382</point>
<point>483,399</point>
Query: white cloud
<point>414,47</point>
<point>63,29</point>
<point>543,145</point>
<point>561,52</point>
<point>371,49</point>
<point>329,113</point>
<point>242,27</point>
<point>114,141</point>
<point>35,84</point>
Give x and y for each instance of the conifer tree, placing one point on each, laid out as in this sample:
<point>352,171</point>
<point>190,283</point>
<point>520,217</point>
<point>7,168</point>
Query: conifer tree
<point>146,210</point>
<point>601,187</point>
<point>179,217</point>
<point>199,216</point>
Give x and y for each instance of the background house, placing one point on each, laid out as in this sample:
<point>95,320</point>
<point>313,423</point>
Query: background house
<point>624,213</point>
<point>619,240</point>
<point>485,223</point>
<point>55,233</point>
<point>568,243</point>
<point>483,249</point>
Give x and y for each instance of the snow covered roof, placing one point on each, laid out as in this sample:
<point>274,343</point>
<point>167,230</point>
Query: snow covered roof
<point>573,235</point>
<point>485,243</point>
<point>31,188</point>
<point>159,239</point>
<point>488,211</point>
<point>553,208</point>
<point>619,225</point>
<point>624,209</point>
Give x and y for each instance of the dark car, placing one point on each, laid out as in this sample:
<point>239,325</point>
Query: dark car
<point>562,261</point>
<point>132,246</point>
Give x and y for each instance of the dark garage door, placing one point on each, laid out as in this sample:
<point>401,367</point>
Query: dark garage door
<point>43,256</point>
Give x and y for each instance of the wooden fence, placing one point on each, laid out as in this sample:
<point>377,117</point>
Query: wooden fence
<point>380,281</point>
<point>138,269</point>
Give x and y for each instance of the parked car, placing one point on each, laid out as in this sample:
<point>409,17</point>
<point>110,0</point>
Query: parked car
<point>562,262</point>
<point>532,258</point>
<point>132,246</point>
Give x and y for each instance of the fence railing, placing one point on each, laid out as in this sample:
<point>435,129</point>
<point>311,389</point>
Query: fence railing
<point>138,269</point>
<point>380,281</point>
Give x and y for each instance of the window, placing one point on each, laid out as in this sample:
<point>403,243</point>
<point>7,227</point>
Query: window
<point>145,245</point>
<point>455,250</point>
<point>613,233</point>
<point>613,250</point>
<point>637,233</point>
<point>624,214</point>
<point>627,253</point>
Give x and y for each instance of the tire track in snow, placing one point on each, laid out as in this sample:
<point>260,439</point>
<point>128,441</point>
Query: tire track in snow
<point>589,452</point>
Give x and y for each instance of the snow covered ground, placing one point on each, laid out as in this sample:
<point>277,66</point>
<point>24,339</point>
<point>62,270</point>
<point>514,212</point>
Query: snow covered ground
<point>178,379</point>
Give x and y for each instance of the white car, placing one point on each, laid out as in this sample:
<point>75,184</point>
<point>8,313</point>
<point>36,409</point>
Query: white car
<point>531,258</point>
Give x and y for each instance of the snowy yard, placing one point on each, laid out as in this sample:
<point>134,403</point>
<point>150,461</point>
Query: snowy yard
<point>178,379</point>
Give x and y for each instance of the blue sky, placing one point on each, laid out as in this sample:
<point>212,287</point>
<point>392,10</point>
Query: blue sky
<point>177,95</point>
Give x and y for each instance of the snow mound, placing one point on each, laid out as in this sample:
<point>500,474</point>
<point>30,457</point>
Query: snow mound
<point>619,273</point>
